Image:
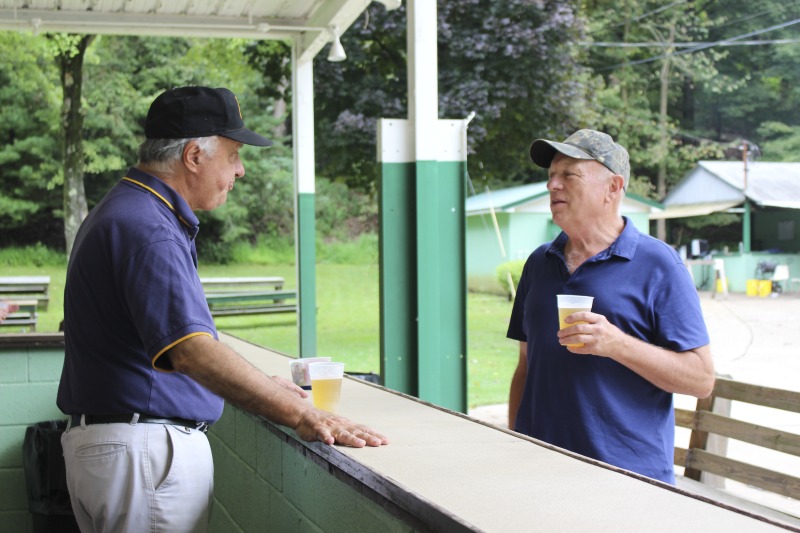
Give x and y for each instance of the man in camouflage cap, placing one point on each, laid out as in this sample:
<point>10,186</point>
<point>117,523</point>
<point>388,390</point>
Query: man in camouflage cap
<point>602,386</point>
<point>585,144</point>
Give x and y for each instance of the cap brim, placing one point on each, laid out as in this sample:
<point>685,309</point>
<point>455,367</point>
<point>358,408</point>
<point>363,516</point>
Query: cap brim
<point>246,136</point>
<point>543,151</point>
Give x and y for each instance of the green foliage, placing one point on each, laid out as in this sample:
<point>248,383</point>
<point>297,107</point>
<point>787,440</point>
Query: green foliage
<point>37,255</point>
<point>512,267</point>
<point>29,151</point>
<point>781,141</point>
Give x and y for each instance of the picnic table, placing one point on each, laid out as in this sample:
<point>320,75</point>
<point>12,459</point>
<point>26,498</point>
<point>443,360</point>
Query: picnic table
<point>231,296</point>
<point>30,293</point>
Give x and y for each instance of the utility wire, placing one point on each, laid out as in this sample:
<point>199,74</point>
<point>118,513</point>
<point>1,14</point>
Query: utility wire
<point>723,42</point>
<point>659,44</point>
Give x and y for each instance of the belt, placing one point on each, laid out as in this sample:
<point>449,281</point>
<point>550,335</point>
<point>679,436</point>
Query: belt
<point>133,419</point>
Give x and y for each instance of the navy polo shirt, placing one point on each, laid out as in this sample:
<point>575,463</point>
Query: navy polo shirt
<point>132,292</point>
<point>593,405</point>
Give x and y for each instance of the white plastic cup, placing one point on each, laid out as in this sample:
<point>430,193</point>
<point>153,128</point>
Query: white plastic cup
<point>326,385</point>
<point>569,304</point>
<point>299,370</point>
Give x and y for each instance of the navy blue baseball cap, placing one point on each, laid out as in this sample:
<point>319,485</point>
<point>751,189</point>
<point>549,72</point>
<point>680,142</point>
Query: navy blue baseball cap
<point>187,112</point>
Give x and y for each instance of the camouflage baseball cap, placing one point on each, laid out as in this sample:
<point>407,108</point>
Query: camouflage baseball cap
<point>585,144</point>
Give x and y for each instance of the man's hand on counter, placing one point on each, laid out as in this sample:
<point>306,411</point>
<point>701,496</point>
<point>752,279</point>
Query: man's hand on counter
<point>329,428</point>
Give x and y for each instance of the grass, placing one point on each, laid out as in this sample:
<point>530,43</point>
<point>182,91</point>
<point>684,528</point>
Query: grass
<point>347,321</point>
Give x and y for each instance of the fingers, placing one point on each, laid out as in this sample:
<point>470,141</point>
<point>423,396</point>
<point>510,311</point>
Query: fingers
<point>358,437</point>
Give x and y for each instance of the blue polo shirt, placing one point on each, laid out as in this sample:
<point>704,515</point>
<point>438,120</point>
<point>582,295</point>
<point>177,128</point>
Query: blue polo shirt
<point>593,405</point>
<point>132,292</point>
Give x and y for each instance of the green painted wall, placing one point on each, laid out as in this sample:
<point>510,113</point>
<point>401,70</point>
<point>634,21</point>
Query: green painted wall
<point>28,384</point>
<point>261,483</point>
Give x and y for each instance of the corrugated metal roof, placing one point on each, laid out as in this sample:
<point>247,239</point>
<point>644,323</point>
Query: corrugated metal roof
<point>506,199</point>
<point>768,184</point>
<point>535,197</point>
<point>305,21</point>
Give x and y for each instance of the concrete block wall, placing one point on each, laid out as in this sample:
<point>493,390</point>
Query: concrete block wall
<point>28,384</point>
<point>264,481</point>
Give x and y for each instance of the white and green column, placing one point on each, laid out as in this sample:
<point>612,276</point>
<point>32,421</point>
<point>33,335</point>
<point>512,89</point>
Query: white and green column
<point>304,209</point>
<point>422,238</point>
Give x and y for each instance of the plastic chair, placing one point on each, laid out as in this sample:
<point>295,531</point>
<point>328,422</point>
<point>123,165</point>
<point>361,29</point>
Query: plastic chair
<point>780,275</point>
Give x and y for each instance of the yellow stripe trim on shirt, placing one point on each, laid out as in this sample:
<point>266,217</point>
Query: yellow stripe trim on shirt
<point>162,352</point>
<point>143,186</point>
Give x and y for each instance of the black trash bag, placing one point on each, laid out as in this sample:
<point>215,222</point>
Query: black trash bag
<point>46,477</point>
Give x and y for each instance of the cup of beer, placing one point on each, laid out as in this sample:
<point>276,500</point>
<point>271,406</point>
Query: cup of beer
<point>326,384</point>
<point>569,304</point>
<point>299,370</point>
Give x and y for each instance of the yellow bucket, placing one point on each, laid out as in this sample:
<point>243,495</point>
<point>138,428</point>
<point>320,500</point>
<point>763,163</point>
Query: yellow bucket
<point>764,287</point>
<point>752,287</point>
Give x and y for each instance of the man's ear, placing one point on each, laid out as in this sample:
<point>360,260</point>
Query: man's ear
<point>617,183</point>
<point>191,155</point>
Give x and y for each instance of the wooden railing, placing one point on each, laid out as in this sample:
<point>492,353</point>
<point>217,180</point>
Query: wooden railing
<point>712,416</point>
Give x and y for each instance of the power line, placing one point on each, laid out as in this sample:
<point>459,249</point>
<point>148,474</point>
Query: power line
<point>723,42</point>
<point>644,15</point>
<point>686,45</point>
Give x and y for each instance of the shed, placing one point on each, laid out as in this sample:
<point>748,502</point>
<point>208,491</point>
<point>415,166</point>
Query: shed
<point>523,223</point>
<point>766,194</point>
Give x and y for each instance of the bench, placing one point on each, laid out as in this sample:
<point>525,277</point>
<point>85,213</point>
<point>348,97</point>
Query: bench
<point>248,296</point>
<point>711,426</point>
<point>30,293</point>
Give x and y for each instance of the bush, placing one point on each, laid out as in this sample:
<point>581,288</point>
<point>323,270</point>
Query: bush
<point>513,267</point>
<point>37,255</point>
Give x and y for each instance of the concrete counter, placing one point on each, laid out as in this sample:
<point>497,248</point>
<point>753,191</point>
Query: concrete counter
<point>444,471</point>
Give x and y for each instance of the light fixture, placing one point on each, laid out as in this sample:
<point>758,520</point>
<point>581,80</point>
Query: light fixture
<point>336,52</point>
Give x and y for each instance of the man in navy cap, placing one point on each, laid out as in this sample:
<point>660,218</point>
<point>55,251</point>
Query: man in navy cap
<point>144,374</point>
<point>603,385</point>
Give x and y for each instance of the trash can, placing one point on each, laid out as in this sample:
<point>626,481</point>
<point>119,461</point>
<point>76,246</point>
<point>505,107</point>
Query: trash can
<point>46,478</point>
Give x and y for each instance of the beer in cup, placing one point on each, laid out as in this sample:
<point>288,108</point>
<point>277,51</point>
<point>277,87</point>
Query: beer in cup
<point>569,304</point>
<point>326,385</point>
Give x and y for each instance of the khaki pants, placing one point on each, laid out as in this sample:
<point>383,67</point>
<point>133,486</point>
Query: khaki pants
<point>139,477</point>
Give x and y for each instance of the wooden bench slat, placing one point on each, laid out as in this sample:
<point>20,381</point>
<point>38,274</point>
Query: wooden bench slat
<point>684,418</point>
<point>276,308</point>
<point>765,437</point>
<point>35,288</point>
<point>758,395</point>
<point>756,476</point>
<point>251,296</point>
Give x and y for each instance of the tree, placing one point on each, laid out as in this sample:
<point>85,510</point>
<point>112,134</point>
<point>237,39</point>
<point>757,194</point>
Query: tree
<point>510,62</point>
<point>70,50</point>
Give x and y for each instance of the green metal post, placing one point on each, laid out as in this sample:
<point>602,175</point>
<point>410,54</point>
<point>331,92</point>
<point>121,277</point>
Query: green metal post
<point>398,277</point>
<point>746,229</point>
<point>441,286</point>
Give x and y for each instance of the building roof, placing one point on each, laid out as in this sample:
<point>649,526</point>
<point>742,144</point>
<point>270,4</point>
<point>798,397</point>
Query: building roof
<point>719,185</point>
<point>307,22</point>
<point>534,197</point>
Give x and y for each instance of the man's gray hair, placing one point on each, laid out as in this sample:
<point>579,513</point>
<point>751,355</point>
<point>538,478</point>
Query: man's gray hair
<point>160,155</point>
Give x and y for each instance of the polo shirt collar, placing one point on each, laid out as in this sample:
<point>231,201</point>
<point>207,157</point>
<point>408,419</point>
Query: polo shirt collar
<point>166,195</point>
<point>624,246</point>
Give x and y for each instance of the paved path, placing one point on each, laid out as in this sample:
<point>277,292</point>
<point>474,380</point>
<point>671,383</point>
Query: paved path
<point>754,340</point>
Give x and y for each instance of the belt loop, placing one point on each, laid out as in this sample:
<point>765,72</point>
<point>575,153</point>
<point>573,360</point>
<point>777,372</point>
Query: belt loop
<point>83,421</point>
<point>134,419</point>
<point>69,424</point>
